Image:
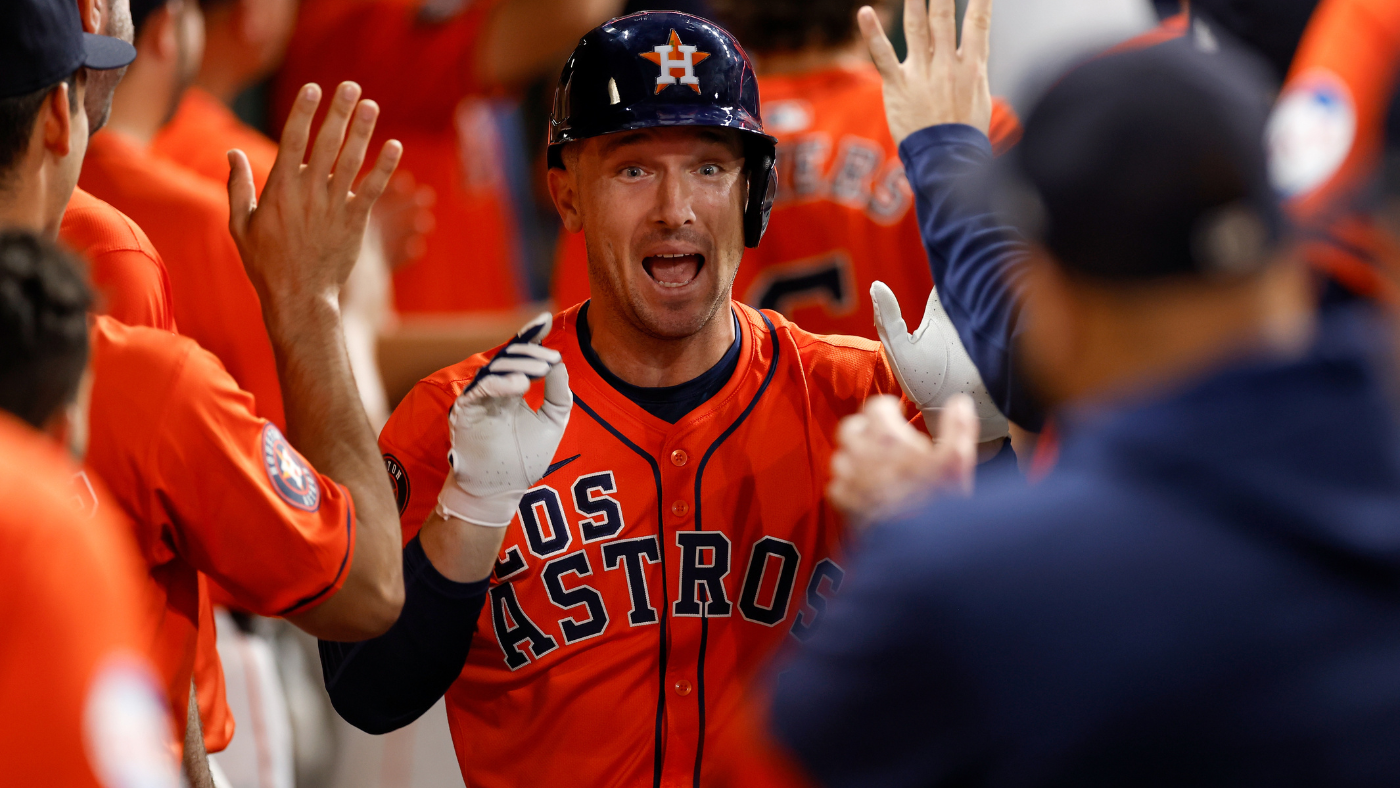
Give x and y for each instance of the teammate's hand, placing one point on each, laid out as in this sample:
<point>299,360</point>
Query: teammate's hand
<point>499,446</point>
<point>882,462</point>
<point>303,238</point>
<point>938,82</point>
<point>931,364</point>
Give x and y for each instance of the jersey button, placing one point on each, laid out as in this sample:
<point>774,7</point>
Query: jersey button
<point>679,458</point>
<point>682,687</point>
<point>680,508</point>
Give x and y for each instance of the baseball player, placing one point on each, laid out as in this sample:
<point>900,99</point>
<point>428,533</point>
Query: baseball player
<point>593,576</point>
<point>430,65</point>
<point>843,216</point>
<point>185,216</point>
<point>80,706</point>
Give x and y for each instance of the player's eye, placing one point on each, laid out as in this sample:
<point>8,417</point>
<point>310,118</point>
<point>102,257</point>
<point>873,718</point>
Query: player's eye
<point>710,169</point>
<point>632,172</point>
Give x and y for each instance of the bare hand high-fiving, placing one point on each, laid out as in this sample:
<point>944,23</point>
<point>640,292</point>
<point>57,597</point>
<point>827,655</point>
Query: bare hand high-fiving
<point>938,82</point>
<point>303,237</point>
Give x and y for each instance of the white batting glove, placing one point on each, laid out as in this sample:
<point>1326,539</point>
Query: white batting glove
<point>499,446</point>
<point>932,365</point>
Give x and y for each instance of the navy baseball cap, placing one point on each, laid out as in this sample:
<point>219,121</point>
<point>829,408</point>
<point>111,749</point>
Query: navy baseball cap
<point>1148,164</point>
<point>42,42</point>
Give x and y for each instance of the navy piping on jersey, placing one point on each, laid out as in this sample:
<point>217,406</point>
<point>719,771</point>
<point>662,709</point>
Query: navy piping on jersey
<point>699,477</point>
<point>668,403</point>
<point>349,540</point>
<point>658,745</point>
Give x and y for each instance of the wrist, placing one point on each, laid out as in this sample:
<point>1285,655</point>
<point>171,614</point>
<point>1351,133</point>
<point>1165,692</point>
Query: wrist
<point>290,316</point>
<point>489,511</point>
<point>460,551</point>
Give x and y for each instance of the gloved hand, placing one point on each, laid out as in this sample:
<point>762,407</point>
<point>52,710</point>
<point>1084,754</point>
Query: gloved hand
<point>499,446</point>
<point>931,364</point>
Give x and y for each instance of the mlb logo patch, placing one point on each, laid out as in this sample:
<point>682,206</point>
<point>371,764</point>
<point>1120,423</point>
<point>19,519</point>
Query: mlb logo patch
<point>291,477</point>
<point>676,70</point>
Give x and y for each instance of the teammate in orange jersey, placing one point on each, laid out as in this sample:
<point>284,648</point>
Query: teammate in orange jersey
<point>658,527</point>
<point>843,217</point>
<point>429,64</point>
<point>198,419</point>
<point>1327,138</point>
<point>185,216</point>
<point>80,706</point>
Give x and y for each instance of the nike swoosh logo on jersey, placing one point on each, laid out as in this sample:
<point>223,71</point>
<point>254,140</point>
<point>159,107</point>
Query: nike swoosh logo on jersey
<point>556,466</point>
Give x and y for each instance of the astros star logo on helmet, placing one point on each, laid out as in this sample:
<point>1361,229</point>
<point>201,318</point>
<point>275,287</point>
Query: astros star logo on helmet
<point>670,66</point>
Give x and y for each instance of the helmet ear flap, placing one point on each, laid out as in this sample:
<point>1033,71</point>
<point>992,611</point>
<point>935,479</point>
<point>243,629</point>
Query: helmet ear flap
<point>763,187</point>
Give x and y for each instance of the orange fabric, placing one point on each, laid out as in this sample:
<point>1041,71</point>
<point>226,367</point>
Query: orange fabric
<point>202,133</point>
<point>424,76</point>
<point>125,267</point>
<point>211,488</point>
<point>1352,46</point>
<point>626,479</point>
<point>69,605</point>
<point>844,213</point>
<point>186,217</point>
<point>1173,27</point>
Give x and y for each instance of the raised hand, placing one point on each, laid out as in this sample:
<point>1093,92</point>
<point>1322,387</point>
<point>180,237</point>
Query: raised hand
<point>881,462</point>
<point>931,363</point>
<point>938,82</point>
<point>500,447</point>
<point>303,238</point>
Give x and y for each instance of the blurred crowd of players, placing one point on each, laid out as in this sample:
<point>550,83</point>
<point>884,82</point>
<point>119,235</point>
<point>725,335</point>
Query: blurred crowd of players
<point>463,241</point>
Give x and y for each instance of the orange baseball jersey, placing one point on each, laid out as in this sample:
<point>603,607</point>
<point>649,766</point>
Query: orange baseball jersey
<point>645,577</point>
<point>203,131</point>
<point>1327,135</point>
<point>186,217</point>
<point>125,267</point>
<point>79,703</point>
<point>211,488</point>
<point>425,77</point>
<point>844,213</point>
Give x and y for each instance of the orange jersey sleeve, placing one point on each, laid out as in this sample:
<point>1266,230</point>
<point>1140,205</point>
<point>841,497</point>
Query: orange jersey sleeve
<point>202,132</point>
<point>186,217</point>
<point>79,704</point>
<point>125,267</point>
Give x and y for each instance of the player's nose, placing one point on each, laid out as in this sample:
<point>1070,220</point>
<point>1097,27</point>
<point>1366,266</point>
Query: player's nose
<point>673,207</point>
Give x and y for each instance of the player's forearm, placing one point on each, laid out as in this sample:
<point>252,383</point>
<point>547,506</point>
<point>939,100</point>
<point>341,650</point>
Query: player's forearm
<point>327,424</point>
<point>976,259</point>
<point>463,552</point>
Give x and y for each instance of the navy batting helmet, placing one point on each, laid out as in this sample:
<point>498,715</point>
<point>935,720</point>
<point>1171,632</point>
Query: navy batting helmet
<point>661,68</point>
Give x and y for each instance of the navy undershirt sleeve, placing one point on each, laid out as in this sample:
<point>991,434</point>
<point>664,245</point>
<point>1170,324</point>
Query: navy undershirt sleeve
<point>383,684</point>
<point>977,260</point>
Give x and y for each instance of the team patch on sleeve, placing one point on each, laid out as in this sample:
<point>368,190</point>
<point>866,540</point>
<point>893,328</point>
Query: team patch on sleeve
<point>399,478</point>
<point>291,477</point>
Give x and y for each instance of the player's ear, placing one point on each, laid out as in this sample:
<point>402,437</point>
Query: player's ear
<point>58,120</point>
<point>563,189</point>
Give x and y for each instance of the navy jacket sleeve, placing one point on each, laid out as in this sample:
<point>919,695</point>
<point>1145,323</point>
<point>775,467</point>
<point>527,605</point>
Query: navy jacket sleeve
<point>976,260</point>
<point>383,684</point>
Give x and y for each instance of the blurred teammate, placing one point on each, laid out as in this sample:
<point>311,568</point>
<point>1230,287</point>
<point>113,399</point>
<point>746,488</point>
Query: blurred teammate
<point>1194,596</point>
<point>208,484</point>
<point>429,65</point>
<point>622,550</point>
<point>185,215</point>
<point>80,706</point>
<point>843,216</point>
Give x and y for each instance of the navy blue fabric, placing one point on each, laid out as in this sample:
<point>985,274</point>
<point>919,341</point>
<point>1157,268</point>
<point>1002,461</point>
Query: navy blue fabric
<point>383,684</point>
<point>668,403</point>
<point>976,259</point>
<point>1205,592</point>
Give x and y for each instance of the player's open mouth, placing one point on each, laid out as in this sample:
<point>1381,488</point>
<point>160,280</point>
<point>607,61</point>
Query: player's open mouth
<point>673,270</point>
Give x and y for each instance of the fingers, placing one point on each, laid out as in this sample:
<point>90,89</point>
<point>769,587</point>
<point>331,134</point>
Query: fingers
<point>242,194</point>
<point>296,132</point>
<point>916,31</point>
<point>332,133</point>
<point>377,180</point>
<point>977,31</point>
<point>537,329</point>
<point>958,429</point>
<point>352,155</point>
<point>530,350</point>
<point>558,399</point>
<point>881,50</point>
<point>889,319</point>
<point>507,365</point>
<point>943,28</point>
